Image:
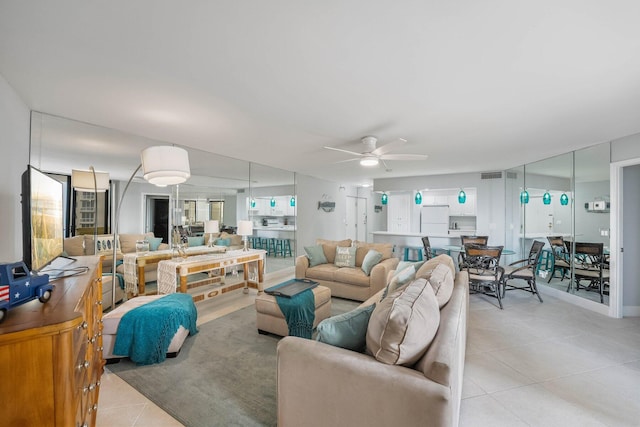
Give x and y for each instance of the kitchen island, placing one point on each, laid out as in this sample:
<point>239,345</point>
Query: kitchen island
<point>400,240</point>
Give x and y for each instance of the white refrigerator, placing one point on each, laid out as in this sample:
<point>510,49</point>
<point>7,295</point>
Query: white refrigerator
<point>434,220</point>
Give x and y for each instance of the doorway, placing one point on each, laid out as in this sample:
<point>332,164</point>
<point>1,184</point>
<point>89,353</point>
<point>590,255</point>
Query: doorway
<point>157,217</point>
<point>356,218</point>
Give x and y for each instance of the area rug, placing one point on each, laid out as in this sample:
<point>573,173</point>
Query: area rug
<point>224,376</point>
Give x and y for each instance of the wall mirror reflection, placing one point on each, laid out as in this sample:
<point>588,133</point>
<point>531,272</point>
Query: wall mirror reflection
<point>564,202</point>
<point>217,189</point>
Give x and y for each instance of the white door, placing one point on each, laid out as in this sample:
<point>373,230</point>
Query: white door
<point>356,218</point>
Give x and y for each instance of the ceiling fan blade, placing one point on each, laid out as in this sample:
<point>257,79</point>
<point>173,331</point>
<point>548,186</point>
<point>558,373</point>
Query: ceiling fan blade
<point>353,153</point>
<point>388,147</point>
<point>404,156</point>
<point>348,160</point>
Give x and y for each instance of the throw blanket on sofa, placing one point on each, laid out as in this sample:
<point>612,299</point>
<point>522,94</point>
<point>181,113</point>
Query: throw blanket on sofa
<point>299,312</point>
<point>144,333</point>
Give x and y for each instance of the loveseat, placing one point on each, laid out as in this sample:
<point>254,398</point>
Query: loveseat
<point>348,282</point>
<point>320,384</point>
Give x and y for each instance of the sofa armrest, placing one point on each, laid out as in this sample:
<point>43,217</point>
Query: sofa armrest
<point>321,385</point>
<point>379,273</point>
<point>302,263</point>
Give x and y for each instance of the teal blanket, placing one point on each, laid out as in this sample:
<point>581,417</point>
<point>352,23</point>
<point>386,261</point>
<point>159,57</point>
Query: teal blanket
<point>299,312</point>
<point>144,333</point>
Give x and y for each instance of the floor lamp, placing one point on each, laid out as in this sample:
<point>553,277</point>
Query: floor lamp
<point>161,165</point>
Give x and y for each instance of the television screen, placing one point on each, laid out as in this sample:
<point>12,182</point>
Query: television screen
<point>42,218</point>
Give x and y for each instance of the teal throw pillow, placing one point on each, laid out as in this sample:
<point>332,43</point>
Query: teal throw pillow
<point>315,255</point>
<point>223,242</point>
<point>196,241</point>
<point>154,242</point>
<point>404,264</point>
<point>348,330</point>
<point>345,256</point>
<point>400,279</point>
<point>372,258</point>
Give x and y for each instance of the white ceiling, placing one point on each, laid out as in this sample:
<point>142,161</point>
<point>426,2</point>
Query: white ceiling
<point>478,86</point>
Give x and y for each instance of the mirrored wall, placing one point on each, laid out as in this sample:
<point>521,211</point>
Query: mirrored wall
<point>563,201</point>
<point>220,187</point>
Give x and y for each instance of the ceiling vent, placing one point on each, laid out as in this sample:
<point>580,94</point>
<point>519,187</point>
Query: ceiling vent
<point>512,175</point>
<point>491,175</point>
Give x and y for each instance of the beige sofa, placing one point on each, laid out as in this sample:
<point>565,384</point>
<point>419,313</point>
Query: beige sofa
<point>321,385</point>
<point>349,282</point>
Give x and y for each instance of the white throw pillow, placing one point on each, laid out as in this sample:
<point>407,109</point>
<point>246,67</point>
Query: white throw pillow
<point>441,280</point>
<point>403,325</point>
<point>345,256</point>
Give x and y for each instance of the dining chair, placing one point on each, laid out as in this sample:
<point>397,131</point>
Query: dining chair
<point>428,254</point>
<point>560,256</point>
<point>483,266</point>
<point>479,240</point>
<point>589,264</point>
<point>524,269</point>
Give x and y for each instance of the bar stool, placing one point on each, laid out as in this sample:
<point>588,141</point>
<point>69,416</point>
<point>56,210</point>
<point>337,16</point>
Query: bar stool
<point>283,247</point>
<point>271,246</point>
<point>413,250</point>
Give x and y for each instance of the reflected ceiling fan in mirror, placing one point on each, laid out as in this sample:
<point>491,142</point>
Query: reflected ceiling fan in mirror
<point>372,156</point>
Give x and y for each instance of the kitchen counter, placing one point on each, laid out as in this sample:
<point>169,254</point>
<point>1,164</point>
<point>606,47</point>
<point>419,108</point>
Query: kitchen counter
<point>451,235</point>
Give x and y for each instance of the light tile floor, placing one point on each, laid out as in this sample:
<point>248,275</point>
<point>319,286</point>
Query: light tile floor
<point>531,364</point>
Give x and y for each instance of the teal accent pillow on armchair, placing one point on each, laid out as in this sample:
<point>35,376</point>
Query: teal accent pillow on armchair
<point>347,330</point>
<point>154,243</point>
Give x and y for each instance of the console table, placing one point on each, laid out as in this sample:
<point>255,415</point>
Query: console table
<point>169,271</point>
<point>51,354</point>
<point>134,263</point>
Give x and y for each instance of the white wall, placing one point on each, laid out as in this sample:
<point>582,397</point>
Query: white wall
<point>589,224</point>
<point>313,223</point>
<point>14,143</point>
<point>132,208</point>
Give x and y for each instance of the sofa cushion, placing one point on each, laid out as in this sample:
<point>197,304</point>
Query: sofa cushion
<point>441,280</point>
<point>403,325</point>
<point>347,330</point>
<point>352,276</point>
<point>425,271</point>
<point>128,242</point>
<point>315,255</point>
<point>372,258</point>
<point>154,242</point>
<point>345,256</point>
<point>74,246</point>
<point>386,249</point>
<point>329,247</point>
<point>322,272</point>
<point>195,241</point>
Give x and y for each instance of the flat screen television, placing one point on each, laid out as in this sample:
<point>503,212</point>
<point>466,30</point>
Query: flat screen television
<point>42,219</point>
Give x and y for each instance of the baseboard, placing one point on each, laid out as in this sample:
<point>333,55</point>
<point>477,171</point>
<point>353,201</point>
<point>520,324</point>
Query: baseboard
<point>575,300</point>
<point>631,311</point>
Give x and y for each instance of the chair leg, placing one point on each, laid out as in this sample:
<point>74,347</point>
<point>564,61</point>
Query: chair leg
<point>498,295</point>
<point>534,288</point>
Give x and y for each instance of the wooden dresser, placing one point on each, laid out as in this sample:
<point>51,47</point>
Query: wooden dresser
<point>51,354</point>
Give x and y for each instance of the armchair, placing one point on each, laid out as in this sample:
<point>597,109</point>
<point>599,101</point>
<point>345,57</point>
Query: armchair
<point>589,264</point>
<point>479,240</point>
<point>524,269</point>
<point>483,265</point>
<point>560,256</point>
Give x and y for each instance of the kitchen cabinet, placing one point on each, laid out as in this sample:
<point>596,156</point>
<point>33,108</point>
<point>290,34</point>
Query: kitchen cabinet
<point>51,354</point>
<point>468,208</point>
<point>399,213</point>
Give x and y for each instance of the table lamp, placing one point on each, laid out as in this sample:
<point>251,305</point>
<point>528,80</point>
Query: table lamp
<point>245,229</point>
<point>211,227</point>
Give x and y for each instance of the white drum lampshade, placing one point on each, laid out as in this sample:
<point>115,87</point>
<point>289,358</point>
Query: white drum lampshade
<point>245,229</point>
<point>83,181</point>
<point>211,227</point>
<point>165,165</point>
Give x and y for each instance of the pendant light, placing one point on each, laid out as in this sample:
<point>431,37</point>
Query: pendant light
<point>418,198</point>
<point>462,196</point>
<point>253,203</point>
<point>292,201</point>
<point>524,197</point>
<point>272,202</point>
<point>546,198</point>
<point>564,199</point>
<point>384,199</point>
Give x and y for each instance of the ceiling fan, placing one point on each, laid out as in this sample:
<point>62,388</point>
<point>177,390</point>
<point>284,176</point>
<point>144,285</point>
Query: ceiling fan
<point>372,156</point>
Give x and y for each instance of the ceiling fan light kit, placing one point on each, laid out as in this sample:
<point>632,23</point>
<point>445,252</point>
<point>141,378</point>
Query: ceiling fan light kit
<point>373,156</point>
